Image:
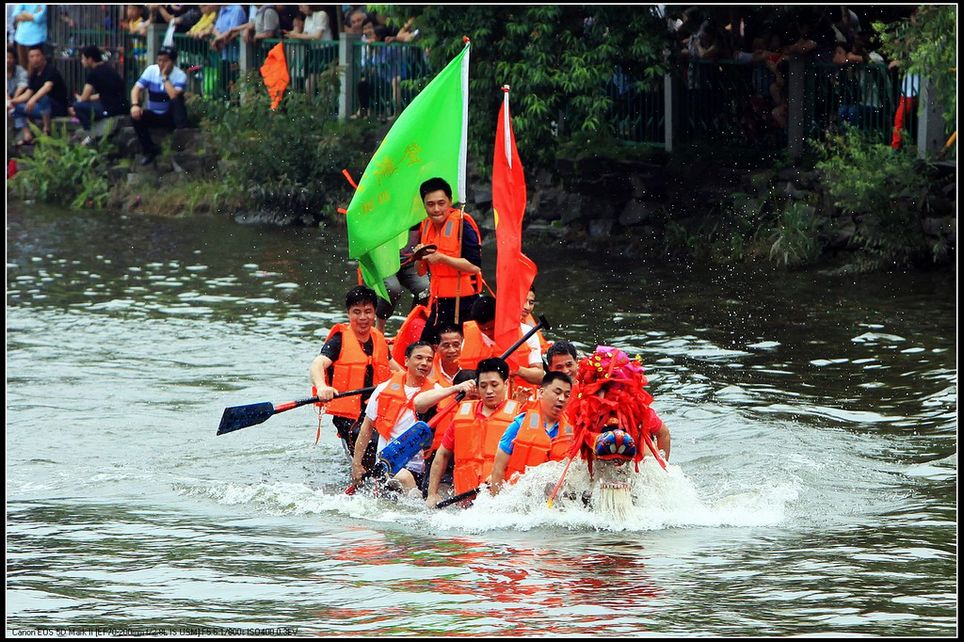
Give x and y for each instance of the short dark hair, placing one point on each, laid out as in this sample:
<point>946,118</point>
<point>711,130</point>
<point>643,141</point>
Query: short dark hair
<point>561,347</point>
<point>413,346</point>
<point>39,48</point>
<point>170,52</point>
<point>494,364</point>
<point>433,185</point>
<point>92,52</point>
<point>555,376</point>
<point>12,50</point>
<point>360,294</point>
<point>483,309</point>
<point>447,328</point>
<point>464,375</point>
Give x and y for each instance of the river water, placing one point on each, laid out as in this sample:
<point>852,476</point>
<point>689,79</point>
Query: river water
<point>811,488</point>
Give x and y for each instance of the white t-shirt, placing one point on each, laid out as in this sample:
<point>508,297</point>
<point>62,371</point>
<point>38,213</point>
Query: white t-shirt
<point>318,22</point>
<point>405,421</point>
<point>535,350</point>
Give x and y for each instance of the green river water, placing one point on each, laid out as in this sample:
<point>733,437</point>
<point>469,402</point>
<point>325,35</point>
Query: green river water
<point>811,491</point>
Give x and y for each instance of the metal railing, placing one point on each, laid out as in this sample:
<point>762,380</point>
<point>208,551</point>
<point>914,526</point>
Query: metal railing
<point>387,76</point>
<point>638,109</point>
<point>864,95</point>
<point>307,60</point>
<point>207,74</point>
<point>725,100</point>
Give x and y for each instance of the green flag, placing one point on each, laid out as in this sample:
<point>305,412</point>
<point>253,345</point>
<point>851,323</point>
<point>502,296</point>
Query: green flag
<point>428,139</point>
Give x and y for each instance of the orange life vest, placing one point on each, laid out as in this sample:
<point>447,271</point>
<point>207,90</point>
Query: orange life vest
<point>409,332</point>
<point>348,371</point>
<point>392,402</point>
<point>438,374</point>
<point>446,281</point>
<point>532,446</point>
<point>474,346</point>
<point>476,441</point>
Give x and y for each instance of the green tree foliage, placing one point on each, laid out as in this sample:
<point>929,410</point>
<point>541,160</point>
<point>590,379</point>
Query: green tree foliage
<point>926,44</point>
<point>290,160</point>
<point>558,60</point>
<point>883,190</point>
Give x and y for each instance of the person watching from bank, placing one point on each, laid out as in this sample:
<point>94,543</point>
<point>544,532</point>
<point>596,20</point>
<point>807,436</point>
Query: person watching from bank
<point>390,413</point>
<point>473,436</point>
<point>17,79</point>
<point>355,355</point>
<point>45,98</point>
<point>539,435</point>
<point>455,267</point>
<point>164,85</point>
<point>103,93</point>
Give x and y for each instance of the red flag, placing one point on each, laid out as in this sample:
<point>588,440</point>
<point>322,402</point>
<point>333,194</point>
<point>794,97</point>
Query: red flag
<point>275,74</point>
<point>514,271</point>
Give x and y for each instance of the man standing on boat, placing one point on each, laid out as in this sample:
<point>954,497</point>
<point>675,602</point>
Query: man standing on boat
<point>541,434</point>
<point>474,433</point>
<point>455,267</point>
<point>391,412</point>
<point>355,355</point>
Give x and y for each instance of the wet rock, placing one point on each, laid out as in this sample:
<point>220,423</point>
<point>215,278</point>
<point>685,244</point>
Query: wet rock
<point>136,180</point>
<point>635,212</point>
<point>600,228</point>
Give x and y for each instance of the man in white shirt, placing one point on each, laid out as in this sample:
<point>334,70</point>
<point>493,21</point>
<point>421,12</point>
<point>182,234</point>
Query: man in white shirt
<point>164,84</point>
<point>391,412</point>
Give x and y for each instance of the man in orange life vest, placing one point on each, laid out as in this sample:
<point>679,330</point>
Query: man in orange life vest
<point>455,268</point>
<point>391,412</point>
<point>473,436</point>
<point>447,353</point>
<point>437,400</point>
<point>562,357</point>
<point>354,356</point>
<point>477,344</point>
<point>541,434</point>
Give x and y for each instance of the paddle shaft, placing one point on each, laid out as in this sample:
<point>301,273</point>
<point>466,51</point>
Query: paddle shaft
<point>281,407</point>
<point>453,500</point>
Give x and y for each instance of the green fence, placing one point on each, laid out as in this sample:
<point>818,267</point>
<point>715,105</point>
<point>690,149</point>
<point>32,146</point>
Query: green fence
<point>208,74</point>
<point>864,95</point>
<point>638,109</point>
<point>126,53</point>
<point>387,77</point>
<point>728,101</point>
<point>307,61</point>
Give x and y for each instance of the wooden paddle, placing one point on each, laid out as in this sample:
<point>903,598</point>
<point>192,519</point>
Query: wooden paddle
<point>238,417</point>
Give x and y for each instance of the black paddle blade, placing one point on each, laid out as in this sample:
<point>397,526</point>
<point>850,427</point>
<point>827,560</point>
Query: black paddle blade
<point>238,417</point>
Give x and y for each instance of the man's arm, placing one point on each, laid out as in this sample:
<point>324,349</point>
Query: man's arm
<point>442,457</point>
<point>318,371</point>
<point>43,91</point>
<point>87,93</point>
<point>361,444</point>
<point>425,400</point>
<point>498,471</point>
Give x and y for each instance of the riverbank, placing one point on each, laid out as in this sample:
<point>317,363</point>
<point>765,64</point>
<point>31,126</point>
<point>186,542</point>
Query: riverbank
<point>699,204</point>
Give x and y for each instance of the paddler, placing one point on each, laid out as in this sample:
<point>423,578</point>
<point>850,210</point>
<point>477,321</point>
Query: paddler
<point>455,267</point>
<point>539,435</point>
<point>390,412</point>
<point>473,436</point>
<point>355,355</point>
<point>448,350</point>
<point>478,343</point>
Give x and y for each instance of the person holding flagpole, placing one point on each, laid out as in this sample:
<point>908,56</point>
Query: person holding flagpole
<point>455,267</point>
